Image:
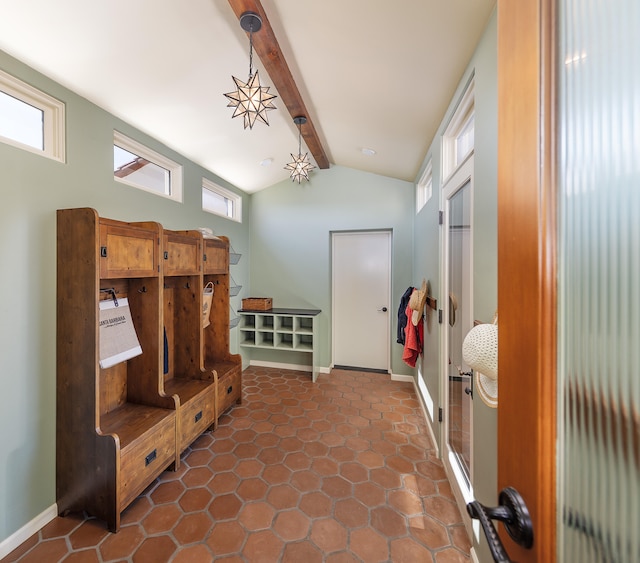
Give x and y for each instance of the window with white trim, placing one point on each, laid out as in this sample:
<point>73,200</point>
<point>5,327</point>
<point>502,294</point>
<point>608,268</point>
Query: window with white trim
<point>219,201</point>
<point>30,119</point>
<point>424,188</point>
<point>139,166</point>
<point>458,139</point>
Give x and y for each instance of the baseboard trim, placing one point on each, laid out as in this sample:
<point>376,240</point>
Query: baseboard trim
<point>474,557</point>
<point>23,534</point>
<point>427,418</point>
<point>407,378</point>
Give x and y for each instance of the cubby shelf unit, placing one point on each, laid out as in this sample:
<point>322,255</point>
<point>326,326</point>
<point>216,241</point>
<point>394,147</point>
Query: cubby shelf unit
<point>282,329</point>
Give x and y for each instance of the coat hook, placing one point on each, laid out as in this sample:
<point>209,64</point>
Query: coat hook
<point>112,291</point>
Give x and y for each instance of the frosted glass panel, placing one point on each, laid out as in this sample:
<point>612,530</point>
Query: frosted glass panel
<point>599,292</point>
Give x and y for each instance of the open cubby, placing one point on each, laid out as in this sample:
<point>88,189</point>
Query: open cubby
<point>281,329</point>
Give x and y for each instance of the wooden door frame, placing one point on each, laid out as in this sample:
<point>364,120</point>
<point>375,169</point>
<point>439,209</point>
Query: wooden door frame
<point>527,242</point>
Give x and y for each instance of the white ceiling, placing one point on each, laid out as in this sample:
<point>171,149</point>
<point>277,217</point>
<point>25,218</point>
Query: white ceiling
<point>373,73</point>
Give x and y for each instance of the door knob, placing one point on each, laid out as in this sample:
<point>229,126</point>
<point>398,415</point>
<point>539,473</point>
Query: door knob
<point>384,309</point>
<point>513,513</point>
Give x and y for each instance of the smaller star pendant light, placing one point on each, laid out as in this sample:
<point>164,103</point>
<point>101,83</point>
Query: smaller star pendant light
<point>250,99</point>
<point>300,167</point>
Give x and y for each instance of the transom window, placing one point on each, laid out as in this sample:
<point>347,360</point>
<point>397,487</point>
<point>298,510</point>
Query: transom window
<point>31,119</point>
<point>459,136</point>
<point>424,188</point>
<point>219,201</point>
<point>139,166</point>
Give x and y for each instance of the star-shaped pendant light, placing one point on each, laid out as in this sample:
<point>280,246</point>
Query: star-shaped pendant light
<point>300,167</point>
<point>250,99</point>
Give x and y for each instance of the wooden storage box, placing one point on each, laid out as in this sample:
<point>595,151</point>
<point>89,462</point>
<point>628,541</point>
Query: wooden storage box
<point>257,303</point>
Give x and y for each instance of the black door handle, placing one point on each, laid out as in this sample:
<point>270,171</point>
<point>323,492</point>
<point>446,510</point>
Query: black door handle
<point>513,513</point>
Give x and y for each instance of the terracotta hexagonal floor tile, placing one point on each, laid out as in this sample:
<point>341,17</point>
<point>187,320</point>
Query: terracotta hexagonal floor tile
<point>252,489</point>
<point>405,502</point>
<point>351,513</point>
<point>301,551</point>
<point>446,511</point>
<point>316,504</point>
<point>193,554</point>
<point>159,548</point>
<point>407,549</point>
<point>223,462</point>
<point>291,525</point>
<point>342,557</point>
<point>386,478</point>
<point>85,556</point>
<point>460,538</point>
<point>256,516</point>
<point>246,451</point>
<point>370,459</point>
<point>123,544</point>
<point>222,483</point>
<point>62,526</point>
<point>354,472</point>
<point>90,533</point>
<point>169,491</point>
<point>198,458</point>
<point>369,494</point>
<point>329,535</point>
<point>432,470</point>
<point>419,485</point>
<point>49,550</point>
<point>450,555</point>
<point>248,468</point>
<point>388,522</point>
<point>276,474</point>
<point>291,444</point>
<point>324,466</point>
<point>224,507</point>
<point>336,487</point>
<point>399,464</point>
<point>161,519</point>
<point>297,460</point>
<point>369,545</point>
<point>222,446</point>
<point>283,496</point>
<point>197,476</point>
<point>342,453</point>
<point>262,547</point>
<point>271,456</point>
<point>428,531</point>
<point>226,538</point>
<point>193,528</point>
<point>195,499</point>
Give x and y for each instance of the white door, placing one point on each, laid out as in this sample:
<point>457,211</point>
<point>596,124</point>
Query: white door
<point>361,299</point>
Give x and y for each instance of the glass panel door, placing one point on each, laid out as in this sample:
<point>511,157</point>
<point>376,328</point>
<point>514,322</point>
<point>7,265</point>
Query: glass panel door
<point>458,325</point>
<point>599,290</point>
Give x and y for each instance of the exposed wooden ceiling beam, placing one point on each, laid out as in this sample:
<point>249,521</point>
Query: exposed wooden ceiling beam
<point>266,46</point>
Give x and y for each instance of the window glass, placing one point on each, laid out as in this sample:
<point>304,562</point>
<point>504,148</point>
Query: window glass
<point>424,188</point>
<point>219,201</point>
<point>31,119</point>
<point>143,168</point>
<point>21,122</point>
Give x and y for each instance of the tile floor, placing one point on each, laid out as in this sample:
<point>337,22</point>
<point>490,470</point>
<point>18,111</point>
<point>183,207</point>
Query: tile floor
<point>338,471</point>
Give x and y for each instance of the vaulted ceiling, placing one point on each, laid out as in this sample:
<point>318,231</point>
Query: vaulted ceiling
<point>371,74</point>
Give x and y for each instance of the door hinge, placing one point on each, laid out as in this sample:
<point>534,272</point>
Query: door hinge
<point>440,414</point>
<point>440,217</point>
<point>439,316</point>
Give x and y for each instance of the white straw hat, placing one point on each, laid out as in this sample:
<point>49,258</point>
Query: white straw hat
<point>480,351</point>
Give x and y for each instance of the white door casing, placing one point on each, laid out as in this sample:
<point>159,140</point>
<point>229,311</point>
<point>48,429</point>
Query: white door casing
<point>460,479</point>
<point>361,299</point>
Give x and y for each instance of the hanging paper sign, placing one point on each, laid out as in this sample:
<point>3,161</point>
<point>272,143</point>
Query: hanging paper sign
<point>118,338</point>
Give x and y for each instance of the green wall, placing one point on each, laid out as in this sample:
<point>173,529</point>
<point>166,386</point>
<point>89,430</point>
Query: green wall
<point>284,240</point>
<point>427,239</point>
<point>32,188</point>
<point>291,229</point>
